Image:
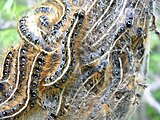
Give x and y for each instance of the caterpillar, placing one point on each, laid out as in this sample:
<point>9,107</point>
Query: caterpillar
<point>77,60</point>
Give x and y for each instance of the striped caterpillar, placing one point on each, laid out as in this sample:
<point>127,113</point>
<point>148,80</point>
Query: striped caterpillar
<point>77,60</point>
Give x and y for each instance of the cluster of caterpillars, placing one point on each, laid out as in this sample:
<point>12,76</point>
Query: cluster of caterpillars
<point>78,60</point>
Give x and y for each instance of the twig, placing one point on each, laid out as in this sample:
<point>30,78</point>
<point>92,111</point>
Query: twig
<point>153,26</point>
<point>156,84</point>
<point>6,25</point>
<point>149,98</point>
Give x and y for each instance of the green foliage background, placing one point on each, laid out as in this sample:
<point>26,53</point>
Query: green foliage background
<point>11,10</point>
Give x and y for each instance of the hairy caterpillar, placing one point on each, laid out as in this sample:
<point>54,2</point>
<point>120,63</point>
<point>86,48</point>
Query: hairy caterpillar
<point>77,60</point>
